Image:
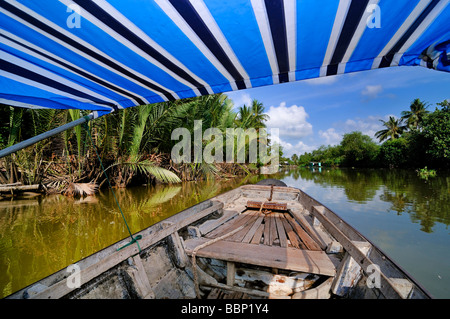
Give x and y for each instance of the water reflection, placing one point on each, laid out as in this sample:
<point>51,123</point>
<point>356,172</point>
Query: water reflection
<point>43,235</point>
<point>427,202</point>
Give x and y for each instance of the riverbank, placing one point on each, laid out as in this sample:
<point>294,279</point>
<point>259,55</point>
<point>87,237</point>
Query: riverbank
<point>62,175</point>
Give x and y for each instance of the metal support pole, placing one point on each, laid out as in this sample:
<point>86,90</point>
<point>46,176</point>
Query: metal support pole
<point>17,147</point>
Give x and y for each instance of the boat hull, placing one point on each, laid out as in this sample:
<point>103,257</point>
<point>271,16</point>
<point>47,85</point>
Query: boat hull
<point>227,247</point>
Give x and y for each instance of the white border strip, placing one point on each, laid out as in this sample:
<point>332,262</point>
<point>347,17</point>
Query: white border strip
<point>173,14</point>
<point>259,8</point>
<point>403,28</point>
<point>339,20</point>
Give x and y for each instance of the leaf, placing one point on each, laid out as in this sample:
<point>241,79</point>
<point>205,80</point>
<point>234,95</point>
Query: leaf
<point>81,189</point>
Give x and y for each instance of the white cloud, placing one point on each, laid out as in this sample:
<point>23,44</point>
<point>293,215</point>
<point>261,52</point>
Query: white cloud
<point>292,124</point>
<point>291,121</point>
<point>240,98</point>
<point>289,149</point>
<point>330,136</point>
<point>368,126</point>
<point>372,91</point>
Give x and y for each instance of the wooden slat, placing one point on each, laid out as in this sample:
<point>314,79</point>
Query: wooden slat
<point>210,225</point>
<point>306,239</point>
<point>267,221</point>
<point>247,225</point>
<point>227,227</point>
<point>273,234</point>
<point>316,262</point>
<point>258,234</point>
<point>293,237</point>
<point>248,237</point>
<point>280,229</point>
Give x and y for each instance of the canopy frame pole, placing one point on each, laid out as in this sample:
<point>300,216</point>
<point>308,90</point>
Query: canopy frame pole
<point>17,147</point>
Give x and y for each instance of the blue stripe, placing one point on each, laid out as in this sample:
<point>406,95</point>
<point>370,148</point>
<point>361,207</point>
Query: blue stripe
<point>57,49</point>
<point>387,59</point>
<point>17,91</point>
<point>314,26</point>
<point>70,76</point>
<point>437,32</point>
<point>373,41</point>
<point>105,43</point>
<point>249,50</point>
<point>191,16</point>
<point>159,27</point>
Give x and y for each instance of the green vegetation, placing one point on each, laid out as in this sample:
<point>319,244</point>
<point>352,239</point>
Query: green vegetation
<point>426,173</point>
<point>134,144</point>
<point>420,138</point>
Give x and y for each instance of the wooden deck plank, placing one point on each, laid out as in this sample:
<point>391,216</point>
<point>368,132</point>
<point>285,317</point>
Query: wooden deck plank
<point>229,226</point>
<point>280,228</point>
<point>273,234</point>
<point>293,237</point>
<point>308,231</point>
<point>316,262</point>
<point>247,225</point>
<point>306,239</point>
<point>248,237</point>
<point>210,225</point>
<point>258,234</point>
<point>267,221</point>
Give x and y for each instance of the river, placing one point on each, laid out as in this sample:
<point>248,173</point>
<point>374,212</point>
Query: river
<point>405,216</point>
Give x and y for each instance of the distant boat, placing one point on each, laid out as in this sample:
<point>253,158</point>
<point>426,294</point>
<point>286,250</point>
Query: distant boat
<point>256,241</point>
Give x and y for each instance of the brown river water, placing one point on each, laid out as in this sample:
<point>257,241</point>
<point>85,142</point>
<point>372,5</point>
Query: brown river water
<point>407,217</point>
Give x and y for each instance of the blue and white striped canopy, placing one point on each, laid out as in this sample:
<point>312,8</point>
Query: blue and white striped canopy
<point>103,55</point>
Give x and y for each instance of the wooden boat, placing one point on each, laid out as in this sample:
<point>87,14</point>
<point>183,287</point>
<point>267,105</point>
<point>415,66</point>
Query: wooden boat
<point>256,241</point>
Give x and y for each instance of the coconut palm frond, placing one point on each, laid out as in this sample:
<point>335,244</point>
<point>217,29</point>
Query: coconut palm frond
<point>81,189</point>
<point>149,167</point>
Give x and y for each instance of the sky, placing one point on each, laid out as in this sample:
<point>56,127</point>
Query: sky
<point>316,112</point>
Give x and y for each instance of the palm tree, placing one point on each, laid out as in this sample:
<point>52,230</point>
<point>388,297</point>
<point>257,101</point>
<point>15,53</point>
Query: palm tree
<point>415,116</point>
<point>252,116</point>
<point>394,129</point>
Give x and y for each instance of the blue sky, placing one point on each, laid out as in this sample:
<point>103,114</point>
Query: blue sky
<point>319,111</point>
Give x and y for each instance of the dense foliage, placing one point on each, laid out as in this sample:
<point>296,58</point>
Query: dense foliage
<point>419,138</point>
<point>134,144</point>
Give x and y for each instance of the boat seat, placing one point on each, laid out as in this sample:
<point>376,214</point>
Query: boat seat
<point>289,258</point>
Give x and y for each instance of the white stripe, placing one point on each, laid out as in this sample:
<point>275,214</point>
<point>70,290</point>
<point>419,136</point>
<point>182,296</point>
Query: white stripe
<point>420,29</point>
<point>290,14</point>
<point>141,34</point>
<point>21,104</point>
<point>47,88</point>
<point>211,23</point>
<point>43,58</point>
<point>70,35</point>
<point>358,32</point>
<point>131,46</point>
<point>339,20</point>
<point>173,14</point>
<point>53,76</point>
<point>259,8</point>
<point>291,76</point>
<point>403,28</point>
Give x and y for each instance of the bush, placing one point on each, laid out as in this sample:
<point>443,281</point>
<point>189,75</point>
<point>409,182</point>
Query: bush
<point>359,150</point>
<point>394,153</point>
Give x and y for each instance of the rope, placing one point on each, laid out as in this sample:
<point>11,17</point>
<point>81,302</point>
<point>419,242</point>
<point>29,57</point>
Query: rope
<point>194,253</point>
<point>133,239</point>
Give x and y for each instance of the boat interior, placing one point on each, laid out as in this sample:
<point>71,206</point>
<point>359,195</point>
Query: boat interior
<point>255,241</point>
